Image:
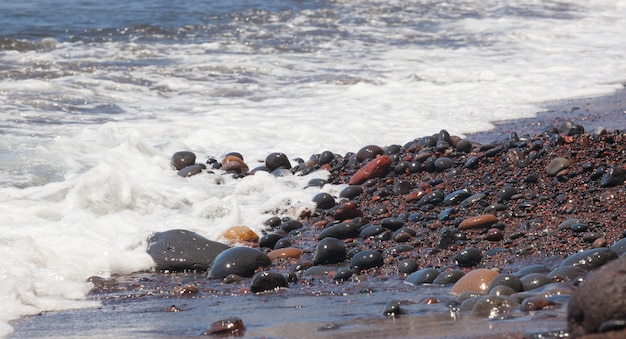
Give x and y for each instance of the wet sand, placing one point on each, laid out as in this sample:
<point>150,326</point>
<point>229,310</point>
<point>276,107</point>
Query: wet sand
<point>147,305</point>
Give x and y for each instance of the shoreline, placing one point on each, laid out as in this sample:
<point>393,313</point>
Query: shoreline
<point>136,305</point>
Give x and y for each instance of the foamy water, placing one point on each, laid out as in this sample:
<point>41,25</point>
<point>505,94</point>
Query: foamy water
<point>90,119</point>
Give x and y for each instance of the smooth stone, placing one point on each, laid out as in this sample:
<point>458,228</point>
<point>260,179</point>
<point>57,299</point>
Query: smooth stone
<point>371,231</point>
<point>567,224</point>
<point>316,182</point>
<point>538,268</point>
<point>324,201</point>
<point>619,247</point>
<point>285,253</point>
<point>443,163</point>
<point>536,304</point>
<point>240,234</point>
<point>326,157</point>
<point>407,266</point>
<point>506,193</point>
<point>456,197</point>
<point>269,240</point>
<point>423,276</point>
<point>342,230</point>
<point>600,299</point>
<point>183,159</point>
<point>230,327</point>
<point>319,271</point>
<point>369,152</point>
<point>613,177</point>
<point>464,145</point>
<point>276,160</point>
<point>351,192</point>
<point>373,169</point>
<point>557,165</point>
<point>566,273</point>
<point>242,261</point>
<point>190,170</point>
<point>343,274</point>
<point>235,165</point>
<point>477,280</point>
<point>290,225</point>
<point>509,280</point>
<point>392,224</point>
<point>348,210</point>
<point>267,281</point>
<point>448,277</point>
<point>493,307</point>
<point>501,290</point>
<point>590,259</point>
<point>468,257</point>
<point>282,243</point>
<point>494,234</point>
<point>479,221</point>
<point>179,250</point>
<point>366,259</point>
<point>392,308</point>
<point>329,251</point>
<point>534,280</point>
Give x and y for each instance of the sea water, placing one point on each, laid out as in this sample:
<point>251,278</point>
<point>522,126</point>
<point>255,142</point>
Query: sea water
<point>96,96</point>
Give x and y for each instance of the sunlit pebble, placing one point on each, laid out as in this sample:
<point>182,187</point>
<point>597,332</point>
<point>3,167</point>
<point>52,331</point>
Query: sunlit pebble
<point>600,242</point>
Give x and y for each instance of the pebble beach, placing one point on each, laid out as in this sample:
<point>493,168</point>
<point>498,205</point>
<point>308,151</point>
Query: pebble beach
<point>440,236</point>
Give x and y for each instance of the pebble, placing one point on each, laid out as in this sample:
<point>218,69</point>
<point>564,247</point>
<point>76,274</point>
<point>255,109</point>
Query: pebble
<point>494,234</point>
<point>227,327</point>
<point>442,164</point>
<point>179,250</point>
<point>536,304</point>
<point>284,253</point>
<point>613,177</point>
<point>237,234</point>
<point>407,266</point>
<point>269,240</point>
<point>277,160</point>
<point>619,247</point>
<point>351,192</point>
<point>369,152</point>
<point>183,159</point>
<point>493,307</point>
<point>375,168</point>
<point>505,279</point>
<point>480,221</point>
<point>342,230</point>
<point>590,259</point>
<point>348,210</point>
<point>392,224</point>
<point>242,261</point>
<point>534,280</point>
<point>392,308</point>
<point>267,281</point>
<point>557,165</point>
<point>190,170</point>
<point>329,251</point>
<point>566,273</point>
<point>448,277</point>
<point>366,259</point>
<point>324,201</point>
<point>477,280</point>
<point>423,276</point>
<point>506,193</point>
<point>282,243</point>
<point>343,274</point>
<point>468,257</point>
<point>456,197</point>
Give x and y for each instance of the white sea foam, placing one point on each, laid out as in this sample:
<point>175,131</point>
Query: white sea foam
<point>81,191</point>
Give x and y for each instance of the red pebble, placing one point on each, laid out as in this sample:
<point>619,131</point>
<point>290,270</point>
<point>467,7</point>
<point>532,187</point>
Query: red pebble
<point>373,169</point>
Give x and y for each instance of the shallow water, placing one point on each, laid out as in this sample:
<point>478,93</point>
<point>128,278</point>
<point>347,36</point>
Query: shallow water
<point>97,96</point>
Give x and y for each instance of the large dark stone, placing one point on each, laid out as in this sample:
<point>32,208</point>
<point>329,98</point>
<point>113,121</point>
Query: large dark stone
<point>242,261</point>
<point>599,301</point>
<point>329,251</point>
<point>590,259</point>
<point>179,250</point>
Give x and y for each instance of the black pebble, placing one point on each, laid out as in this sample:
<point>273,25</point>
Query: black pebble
<point>329,251</point>
<point>267,281</point>
<point>468,257</point>
<point>366,259</point>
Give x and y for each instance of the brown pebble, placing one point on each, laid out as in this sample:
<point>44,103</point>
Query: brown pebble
<point>239,234</point>
<point>535,304</point>
<point>475,281</point>
<point>480,221</point>
<point>348,210</point>
<point>226,327</point>
<point>288,252</point>
<point>600,242</point>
